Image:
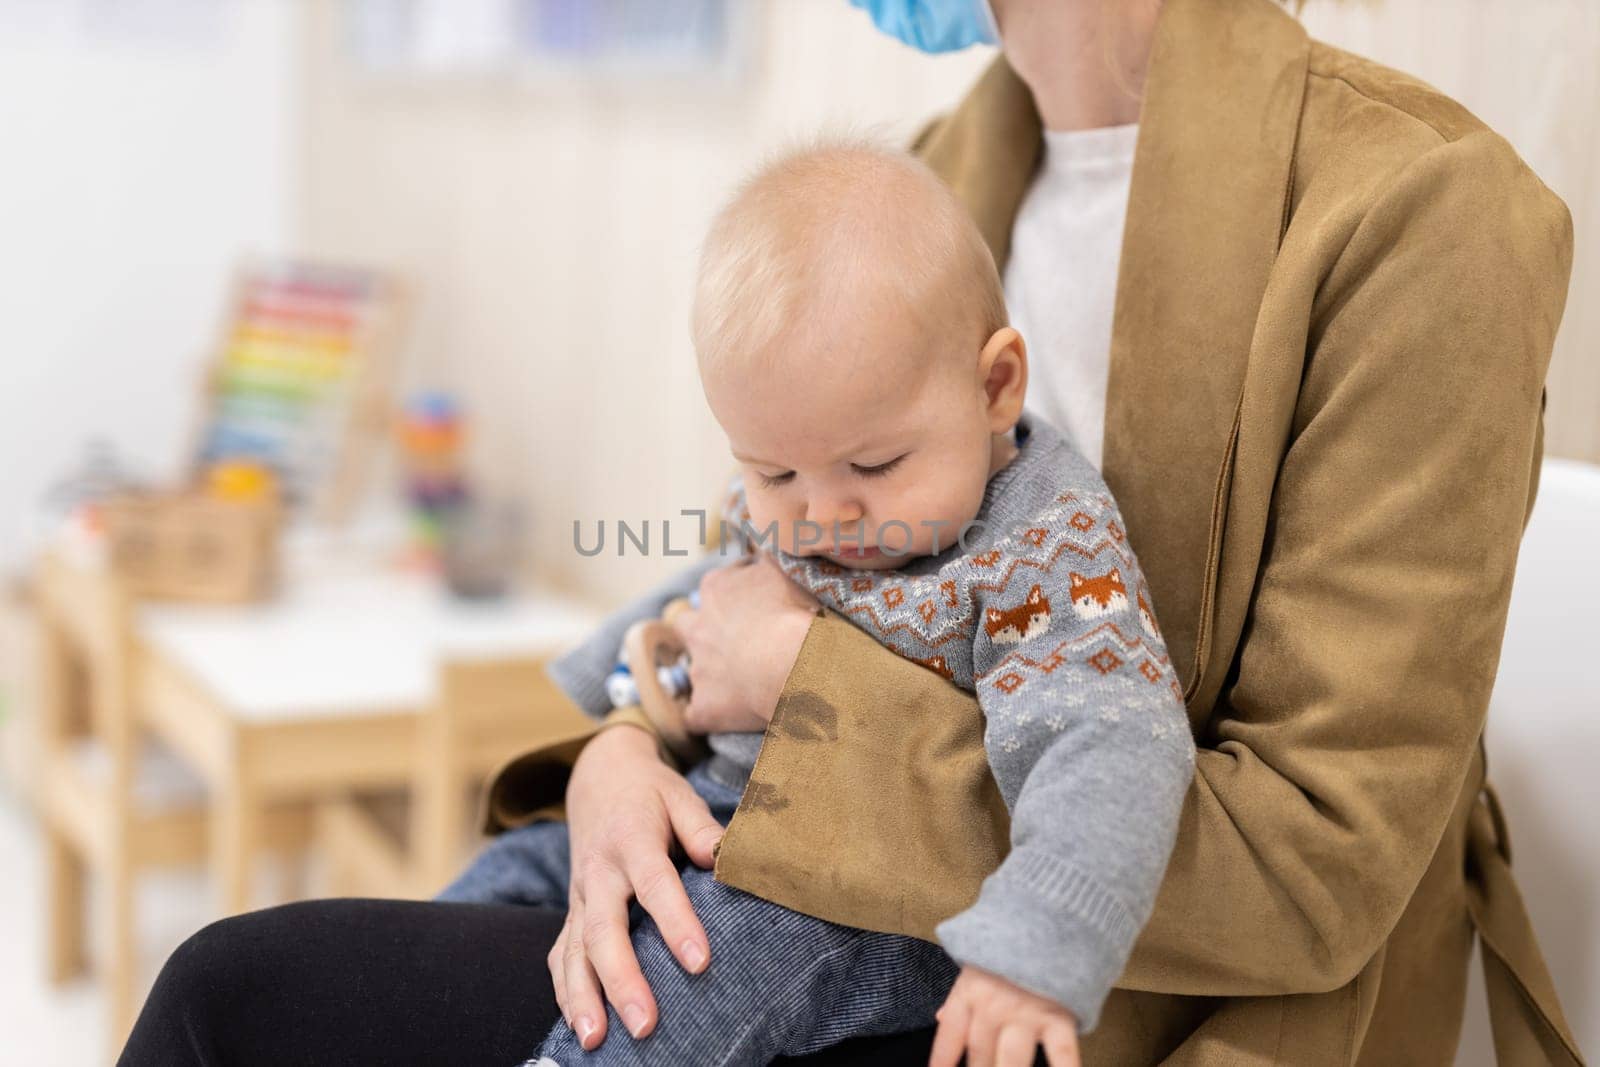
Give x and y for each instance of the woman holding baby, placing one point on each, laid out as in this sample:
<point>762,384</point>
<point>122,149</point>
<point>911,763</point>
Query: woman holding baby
<point>1297,309</point>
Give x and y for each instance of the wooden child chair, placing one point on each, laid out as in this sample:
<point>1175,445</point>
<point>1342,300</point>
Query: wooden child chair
<point>110,803</point>
<point>412,846</point>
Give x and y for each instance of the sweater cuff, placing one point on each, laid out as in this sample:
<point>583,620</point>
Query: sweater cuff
<point>579,675</point>
<point>1046,926</point>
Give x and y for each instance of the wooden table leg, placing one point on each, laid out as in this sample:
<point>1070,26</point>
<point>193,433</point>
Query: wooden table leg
<point>286,833</point>
<point>235,827</point>
<point>64,885</point>
<point>122,961</point>
<point>438,799</point>
<point>64,870</point>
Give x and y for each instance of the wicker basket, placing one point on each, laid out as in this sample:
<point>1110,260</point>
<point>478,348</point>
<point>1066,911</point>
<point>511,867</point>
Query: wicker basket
<point>187,546</point>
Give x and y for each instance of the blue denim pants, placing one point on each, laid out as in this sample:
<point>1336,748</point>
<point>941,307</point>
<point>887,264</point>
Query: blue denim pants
<point>779,983</point>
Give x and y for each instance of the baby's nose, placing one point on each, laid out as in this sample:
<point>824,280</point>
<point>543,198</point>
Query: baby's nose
<point>827,512</point>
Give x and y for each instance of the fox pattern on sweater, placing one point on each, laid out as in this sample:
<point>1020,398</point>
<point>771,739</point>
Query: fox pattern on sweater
<point>983,617</point>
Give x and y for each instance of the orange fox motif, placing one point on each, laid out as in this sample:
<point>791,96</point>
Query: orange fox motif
<point>1093,597</point>
<point>1012,626</point>
<point>1147,618</point>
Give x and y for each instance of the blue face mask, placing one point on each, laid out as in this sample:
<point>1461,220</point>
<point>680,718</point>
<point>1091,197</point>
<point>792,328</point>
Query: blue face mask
<point>934,25</point>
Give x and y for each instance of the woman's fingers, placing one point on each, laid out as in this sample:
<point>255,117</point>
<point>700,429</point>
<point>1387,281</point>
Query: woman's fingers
<point>556,960</point>
<point>586,1012</point>
<point>610,950</point>
<point>622,824</point>
<point>692,823</point>
<point>659,887</point>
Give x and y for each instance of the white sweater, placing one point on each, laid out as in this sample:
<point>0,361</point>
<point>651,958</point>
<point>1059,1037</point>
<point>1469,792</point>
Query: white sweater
<point>1061,280</point>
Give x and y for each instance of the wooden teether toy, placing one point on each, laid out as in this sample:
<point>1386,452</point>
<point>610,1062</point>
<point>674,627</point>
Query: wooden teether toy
<point>653,673</point>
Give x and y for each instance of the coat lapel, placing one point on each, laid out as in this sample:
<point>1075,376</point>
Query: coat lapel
<point>1205,213</point>
<point>1210,190</point>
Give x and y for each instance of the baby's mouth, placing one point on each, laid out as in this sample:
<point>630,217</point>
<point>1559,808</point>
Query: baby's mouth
<point>857,552</point>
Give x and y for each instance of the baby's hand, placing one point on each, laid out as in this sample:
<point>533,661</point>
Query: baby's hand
<point>1001,1024</point>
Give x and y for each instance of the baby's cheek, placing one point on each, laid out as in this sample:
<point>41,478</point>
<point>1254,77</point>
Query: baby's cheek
<point>898,520</point>
<point>961,502</point>
<point>939,521</point>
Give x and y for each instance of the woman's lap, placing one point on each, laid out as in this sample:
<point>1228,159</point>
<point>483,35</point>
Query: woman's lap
<point>355,981</point>
<point>460,980</point>
<point>386,981</point>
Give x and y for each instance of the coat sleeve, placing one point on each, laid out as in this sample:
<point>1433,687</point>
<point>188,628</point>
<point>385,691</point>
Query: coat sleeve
<point>1325,778</point>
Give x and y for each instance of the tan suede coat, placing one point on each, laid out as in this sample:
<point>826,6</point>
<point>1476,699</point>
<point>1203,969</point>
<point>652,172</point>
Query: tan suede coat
<point>1337,298</point>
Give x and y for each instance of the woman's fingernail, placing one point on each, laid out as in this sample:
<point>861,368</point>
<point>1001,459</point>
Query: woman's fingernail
<point>585,1027</point>
<point>633,1016</point>
<point>693,956</point>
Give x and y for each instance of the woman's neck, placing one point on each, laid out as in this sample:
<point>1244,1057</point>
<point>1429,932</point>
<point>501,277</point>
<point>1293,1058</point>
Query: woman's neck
<point>1084,60</point>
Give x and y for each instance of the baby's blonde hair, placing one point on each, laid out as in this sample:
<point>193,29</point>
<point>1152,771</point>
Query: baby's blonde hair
<point>842,225</point>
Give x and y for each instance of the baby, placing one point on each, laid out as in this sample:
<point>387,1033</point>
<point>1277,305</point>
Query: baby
<point>853,344</point>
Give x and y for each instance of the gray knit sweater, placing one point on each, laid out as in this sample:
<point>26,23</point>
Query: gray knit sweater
<point>1041,611</point>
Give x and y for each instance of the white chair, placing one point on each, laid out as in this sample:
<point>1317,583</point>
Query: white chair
<point>1544,748</point>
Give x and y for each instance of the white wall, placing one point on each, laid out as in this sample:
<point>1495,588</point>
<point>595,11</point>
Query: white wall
<point>1527,68</point>
<point>144,144</point>
<point>552,231</point>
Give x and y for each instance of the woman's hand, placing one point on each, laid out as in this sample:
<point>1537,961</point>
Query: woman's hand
<point>742,643</point>
<point>624,810</point>
<point>1000,1025</point>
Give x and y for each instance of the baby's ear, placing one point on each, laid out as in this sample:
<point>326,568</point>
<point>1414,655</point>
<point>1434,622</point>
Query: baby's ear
<point>1003,372</point>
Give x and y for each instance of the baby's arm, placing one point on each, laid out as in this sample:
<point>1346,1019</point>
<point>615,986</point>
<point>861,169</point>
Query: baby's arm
<point>1086,733</point>
<point>581,673</point>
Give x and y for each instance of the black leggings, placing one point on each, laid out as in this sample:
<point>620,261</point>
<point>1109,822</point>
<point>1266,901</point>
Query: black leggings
<point>380,981</point>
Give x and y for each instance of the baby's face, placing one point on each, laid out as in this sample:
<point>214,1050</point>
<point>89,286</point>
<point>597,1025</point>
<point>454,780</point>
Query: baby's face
<point>869,447</point>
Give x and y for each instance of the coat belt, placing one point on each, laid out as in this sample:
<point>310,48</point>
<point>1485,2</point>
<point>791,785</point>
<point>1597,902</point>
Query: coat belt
<point>1524,1013</point>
